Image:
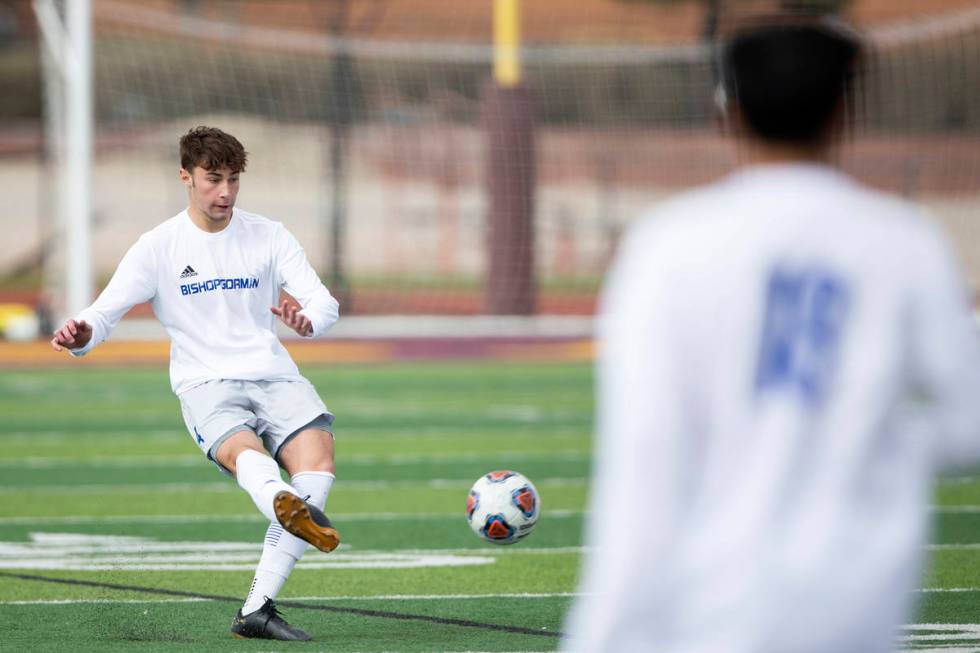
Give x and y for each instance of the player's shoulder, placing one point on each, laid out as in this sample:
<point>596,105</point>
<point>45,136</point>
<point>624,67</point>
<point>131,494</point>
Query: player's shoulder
<point>905,236</point>
<point>258,223</point>
<point>709,207</point>
<point>666,235</point>
<point>249,218</point>
<point>164,231</point>
<point>904,226</point>
<point>884,206</point>
<point>677,217</point>
<point>702,204</point>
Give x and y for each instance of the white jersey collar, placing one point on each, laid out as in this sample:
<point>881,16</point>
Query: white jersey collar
<point>232,226</point>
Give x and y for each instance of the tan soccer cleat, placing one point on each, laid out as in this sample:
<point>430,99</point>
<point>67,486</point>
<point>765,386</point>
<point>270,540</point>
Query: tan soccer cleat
<point>305,521</point>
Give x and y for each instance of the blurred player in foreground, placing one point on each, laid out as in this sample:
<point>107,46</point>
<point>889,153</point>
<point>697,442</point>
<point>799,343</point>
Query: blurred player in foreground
<point>786,357</point>
<point>213,275</point>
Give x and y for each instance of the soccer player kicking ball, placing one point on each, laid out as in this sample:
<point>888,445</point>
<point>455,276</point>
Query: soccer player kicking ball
<point>785,359</point>
<point>213,275</point>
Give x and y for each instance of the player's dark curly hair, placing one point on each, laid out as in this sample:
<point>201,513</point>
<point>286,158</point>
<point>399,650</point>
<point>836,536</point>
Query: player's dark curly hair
<point>210,148</point>
<point>789,80</point>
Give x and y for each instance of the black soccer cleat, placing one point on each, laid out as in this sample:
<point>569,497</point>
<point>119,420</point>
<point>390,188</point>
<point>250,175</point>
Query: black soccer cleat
<point>266,623</point>
<point>305,521</point>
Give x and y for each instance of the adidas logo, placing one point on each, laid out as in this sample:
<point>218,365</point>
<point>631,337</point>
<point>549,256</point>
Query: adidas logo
<point>188,272</point>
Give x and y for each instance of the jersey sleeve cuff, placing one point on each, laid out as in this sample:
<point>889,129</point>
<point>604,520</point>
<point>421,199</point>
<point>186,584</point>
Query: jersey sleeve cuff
<point>317,325</point>
<point>81,351</point>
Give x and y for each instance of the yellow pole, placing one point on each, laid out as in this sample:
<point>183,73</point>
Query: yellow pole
<point>507,42</point>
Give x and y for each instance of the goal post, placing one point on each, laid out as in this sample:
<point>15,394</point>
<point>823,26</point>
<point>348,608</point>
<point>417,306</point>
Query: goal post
<point>68,43</point>
<point>507,120</point>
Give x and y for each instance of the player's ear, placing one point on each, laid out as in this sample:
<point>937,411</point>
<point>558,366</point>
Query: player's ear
<point>186,178</point>
<point>722,109</point>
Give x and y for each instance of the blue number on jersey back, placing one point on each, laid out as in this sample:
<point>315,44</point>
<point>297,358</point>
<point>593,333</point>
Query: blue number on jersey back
<point>805,312</point>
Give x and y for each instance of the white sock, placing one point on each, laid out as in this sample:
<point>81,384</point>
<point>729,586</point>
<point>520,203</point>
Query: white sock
<point>282,550</point>
<point>258,475</point>
<point>272,572</point>
<point>315,484</point>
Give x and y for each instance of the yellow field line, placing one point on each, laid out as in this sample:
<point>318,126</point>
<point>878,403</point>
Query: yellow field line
<point>157,352</point>
<point>40,354</point>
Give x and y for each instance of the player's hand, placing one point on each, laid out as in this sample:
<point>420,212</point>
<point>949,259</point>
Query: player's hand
<point>72,336</point>
<point>291,317</point>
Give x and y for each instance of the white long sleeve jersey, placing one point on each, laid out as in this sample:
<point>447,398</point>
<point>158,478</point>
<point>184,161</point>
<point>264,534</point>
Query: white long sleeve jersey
<point>785,358</point>
<point>212,292</point>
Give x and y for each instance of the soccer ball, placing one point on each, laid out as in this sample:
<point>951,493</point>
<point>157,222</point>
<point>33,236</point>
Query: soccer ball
<point>503,507</point>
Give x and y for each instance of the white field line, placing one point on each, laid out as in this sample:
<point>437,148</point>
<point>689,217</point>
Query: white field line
<point>420,434</point>
<point>333,563</point>
<point>45,462</point>
<point>230,487</point>
<point>133,519</point>
<point>437,597</point>
<point>966,509</point>
<point>179,519</point>
<point>495,550</point>
<point>923,637</point>
<point>54,544</point>
<point>125,488</point>
<point>420,597</point>
<point>81,552</point>
<point>73,435</point>
<point>84,552</point>
<point>99,601</point>
<point>377,597</point>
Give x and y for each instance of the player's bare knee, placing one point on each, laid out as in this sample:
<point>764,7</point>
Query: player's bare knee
<point>326,466</point>
<point>229,450</point>
<point>322,460</point>
<point>310,451</point>
<point>314,463</point>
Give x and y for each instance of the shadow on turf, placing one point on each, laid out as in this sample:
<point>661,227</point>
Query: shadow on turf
<point>381,614</point>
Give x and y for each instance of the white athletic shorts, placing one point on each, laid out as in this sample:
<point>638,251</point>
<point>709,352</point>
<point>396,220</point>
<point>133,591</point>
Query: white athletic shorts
<point>273,410</point>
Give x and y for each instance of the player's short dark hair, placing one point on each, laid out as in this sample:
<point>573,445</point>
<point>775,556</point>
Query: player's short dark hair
<point>788,80</point>
<point>210,148</point>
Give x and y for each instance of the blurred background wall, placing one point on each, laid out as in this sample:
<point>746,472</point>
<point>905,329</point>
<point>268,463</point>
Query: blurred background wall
<point>368,112</point>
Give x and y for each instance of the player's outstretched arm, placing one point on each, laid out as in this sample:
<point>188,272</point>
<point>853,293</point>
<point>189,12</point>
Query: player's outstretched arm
<point>291,317</point>
<point>73,335</point>
<point>300,280</point>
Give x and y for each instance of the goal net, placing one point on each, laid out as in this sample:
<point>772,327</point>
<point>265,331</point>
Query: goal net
<point>363,125</point>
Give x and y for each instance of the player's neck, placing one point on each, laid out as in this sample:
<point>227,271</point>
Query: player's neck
<point>763,153</point>
<point>205,223</point>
